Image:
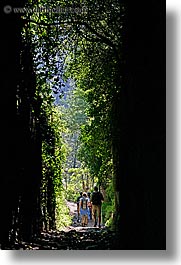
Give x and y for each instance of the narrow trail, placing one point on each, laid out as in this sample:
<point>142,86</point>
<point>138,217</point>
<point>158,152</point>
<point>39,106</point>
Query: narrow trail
<point>73,237</point>
<point>76,225</point>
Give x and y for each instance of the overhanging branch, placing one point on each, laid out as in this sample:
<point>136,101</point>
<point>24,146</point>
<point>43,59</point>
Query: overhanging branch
<point>83,23</point>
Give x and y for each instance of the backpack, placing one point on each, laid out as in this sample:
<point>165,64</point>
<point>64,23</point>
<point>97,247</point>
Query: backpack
<point>84,203</point>
<point>96,198</point>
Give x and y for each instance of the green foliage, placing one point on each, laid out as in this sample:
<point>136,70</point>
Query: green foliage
<point>84,46</point>
<point>54,152</point>
<point>78,179</point>
<point>74,116</point>
<point>62,212</point>
<point>108,206</point>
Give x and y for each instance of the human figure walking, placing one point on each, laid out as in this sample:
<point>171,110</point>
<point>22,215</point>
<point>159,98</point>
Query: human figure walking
<point>83,205</point>
<point>97,199</point>
<point>89,205</point>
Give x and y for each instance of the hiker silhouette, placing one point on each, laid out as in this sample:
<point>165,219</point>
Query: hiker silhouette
<point>84,211</point>
<point>96,200</point>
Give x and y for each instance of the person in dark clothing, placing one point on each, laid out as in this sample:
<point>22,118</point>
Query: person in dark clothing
<point>97,199</point>
<point>78,208</point>
<point>89,205</point>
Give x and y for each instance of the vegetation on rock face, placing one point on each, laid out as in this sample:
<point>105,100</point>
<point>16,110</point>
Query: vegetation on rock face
<point>74,61</point>
<point>66,82</point>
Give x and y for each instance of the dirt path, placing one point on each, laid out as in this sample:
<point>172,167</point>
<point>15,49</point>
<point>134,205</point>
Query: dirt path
<point>74,237</point>
<point>75,224</point>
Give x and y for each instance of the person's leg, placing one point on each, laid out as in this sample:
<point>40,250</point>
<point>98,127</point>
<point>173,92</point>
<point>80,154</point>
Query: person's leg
<point>99,215</point>
<point>86,219</point>
<point>88,213</point>
<point>94,214</point>
<point>78,213</point>
<point>90,209</point>
<point>83,220</point>
<point>91,213</point>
